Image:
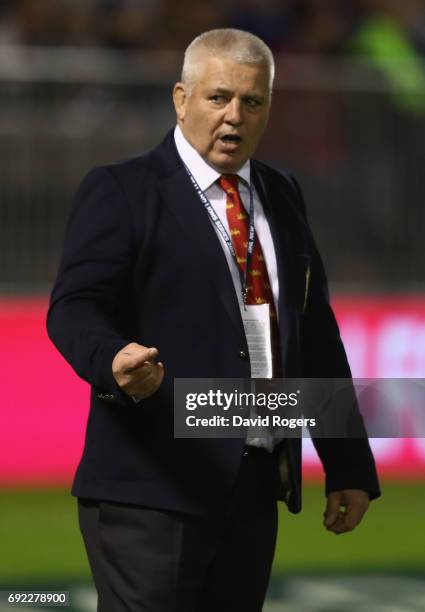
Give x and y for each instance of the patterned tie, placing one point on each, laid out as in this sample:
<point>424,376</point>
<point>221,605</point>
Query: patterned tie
<point>258,283</point>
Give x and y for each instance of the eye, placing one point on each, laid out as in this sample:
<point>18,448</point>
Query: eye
<point>218,99</point>
<point>252,102</point>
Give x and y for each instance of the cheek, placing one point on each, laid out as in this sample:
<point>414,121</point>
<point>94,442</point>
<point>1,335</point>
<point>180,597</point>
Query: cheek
<point>209,127</point>
<point>258,130</point>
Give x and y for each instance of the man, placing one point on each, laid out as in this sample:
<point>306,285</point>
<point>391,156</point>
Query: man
<point>147,273</point>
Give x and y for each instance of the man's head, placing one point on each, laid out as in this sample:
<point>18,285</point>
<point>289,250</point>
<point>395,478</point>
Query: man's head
<point>223,99</point>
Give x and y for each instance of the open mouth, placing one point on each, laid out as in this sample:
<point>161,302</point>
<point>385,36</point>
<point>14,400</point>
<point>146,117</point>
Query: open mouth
<point>231,139</point>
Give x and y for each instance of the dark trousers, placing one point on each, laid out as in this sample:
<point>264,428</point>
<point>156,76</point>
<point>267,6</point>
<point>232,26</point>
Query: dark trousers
<point>149,560</point>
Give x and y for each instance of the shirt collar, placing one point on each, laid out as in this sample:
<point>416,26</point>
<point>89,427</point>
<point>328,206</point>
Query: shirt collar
<point>204,174</point>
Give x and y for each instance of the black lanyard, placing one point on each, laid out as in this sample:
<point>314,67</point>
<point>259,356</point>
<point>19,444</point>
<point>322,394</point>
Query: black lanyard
<point>224,234</point>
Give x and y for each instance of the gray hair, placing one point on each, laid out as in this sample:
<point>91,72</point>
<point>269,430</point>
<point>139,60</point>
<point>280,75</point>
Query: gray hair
<point>237,45</point>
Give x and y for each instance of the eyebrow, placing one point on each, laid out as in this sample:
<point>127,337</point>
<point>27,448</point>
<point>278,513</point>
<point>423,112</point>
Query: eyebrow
<point>223,90</point>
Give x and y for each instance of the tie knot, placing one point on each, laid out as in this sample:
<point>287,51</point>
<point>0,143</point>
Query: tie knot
<point>229,183</point>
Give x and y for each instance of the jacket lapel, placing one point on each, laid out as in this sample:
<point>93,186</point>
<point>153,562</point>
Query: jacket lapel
<point>192,219</point>
<point>291,251</point>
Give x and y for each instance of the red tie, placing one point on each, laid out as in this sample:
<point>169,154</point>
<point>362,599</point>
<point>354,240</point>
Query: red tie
<point>258,283</point>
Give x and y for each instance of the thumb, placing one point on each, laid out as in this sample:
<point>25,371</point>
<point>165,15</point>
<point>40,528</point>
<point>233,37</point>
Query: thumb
<point>152,353</point>
<point>138,355</point>
<point>332,509</point>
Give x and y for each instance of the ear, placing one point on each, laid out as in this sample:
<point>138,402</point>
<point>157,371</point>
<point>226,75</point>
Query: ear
<point>180,99</point>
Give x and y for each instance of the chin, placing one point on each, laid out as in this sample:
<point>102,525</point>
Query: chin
<point>226,165</point>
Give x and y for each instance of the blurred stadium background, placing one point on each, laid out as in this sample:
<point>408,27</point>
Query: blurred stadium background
<point>84,82</point>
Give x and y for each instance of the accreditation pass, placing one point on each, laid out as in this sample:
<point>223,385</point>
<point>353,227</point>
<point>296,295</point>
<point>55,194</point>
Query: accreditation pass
<point>256,321</point>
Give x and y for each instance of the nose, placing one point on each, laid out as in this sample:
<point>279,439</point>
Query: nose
<point>234,112</point>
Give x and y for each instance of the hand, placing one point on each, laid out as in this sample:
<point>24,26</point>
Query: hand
<point>136,372</point>
<point>355,503</point>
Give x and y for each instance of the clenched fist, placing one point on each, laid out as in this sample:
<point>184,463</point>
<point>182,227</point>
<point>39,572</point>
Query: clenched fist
<point>136,372</point>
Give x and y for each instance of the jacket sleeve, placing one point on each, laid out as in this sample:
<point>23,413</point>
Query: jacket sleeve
<point>93,274</point>
<point>348,462</point>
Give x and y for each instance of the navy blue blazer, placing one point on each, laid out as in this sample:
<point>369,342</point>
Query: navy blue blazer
<point>142,262</point>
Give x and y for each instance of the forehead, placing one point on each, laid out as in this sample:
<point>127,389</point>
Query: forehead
<point>224,73</point>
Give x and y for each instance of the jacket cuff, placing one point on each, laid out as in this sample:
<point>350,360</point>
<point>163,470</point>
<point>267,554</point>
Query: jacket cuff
<point>353,480</point>
<point>108,388</point>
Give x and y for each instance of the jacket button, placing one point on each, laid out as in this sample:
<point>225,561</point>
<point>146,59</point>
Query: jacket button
<point>243,355</point>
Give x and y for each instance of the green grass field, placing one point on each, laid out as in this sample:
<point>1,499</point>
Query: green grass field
<point>40,539</point>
